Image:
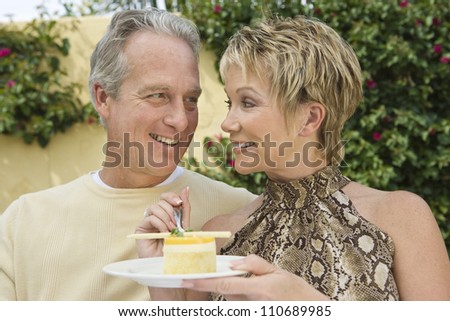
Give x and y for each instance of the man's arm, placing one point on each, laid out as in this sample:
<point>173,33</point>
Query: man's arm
<point>7,228</point>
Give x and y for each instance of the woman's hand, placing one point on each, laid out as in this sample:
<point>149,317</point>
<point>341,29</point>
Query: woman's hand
<point>159,218</point>
<point>267,283</point>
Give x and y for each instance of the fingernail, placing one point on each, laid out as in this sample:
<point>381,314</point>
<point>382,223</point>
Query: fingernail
<point>178,201</point>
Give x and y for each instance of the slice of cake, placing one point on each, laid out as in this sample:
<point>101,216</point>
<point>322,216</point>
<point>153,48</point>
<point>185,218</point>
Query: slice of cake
<point>189,254</point>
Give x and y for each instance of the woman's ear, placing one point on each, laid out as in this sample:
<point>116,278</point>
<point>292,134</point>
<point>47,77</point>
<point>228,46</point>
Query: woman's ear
<point>101,101</point>
<point>311,118</point>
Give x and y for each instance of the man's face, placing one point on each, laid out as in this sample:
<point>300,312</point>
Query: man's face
<point>155,114</point>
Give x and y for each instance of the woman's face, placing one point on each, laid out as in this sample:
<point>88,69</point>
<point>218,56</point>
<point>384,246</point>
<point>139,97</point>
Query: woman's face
<point>257,128</point>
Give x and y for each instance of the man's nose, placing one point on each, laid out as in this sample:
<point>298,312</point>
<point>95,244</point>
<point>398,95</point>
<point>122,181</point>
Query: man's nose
<point>176,116</point>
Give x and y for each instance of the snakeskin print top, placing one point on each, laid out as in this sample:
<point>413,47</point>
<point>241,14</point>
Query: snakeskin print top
<point>310,227</point>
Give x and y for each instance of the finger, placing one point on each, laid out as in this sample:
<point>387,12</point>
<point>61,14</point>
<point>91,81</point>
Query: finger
<point>186,219</point>
<point>156,221</point>
<point>152,224</point>
<point>163,211</point>
<point>171,198</point>
<point>253,264</point>
<point>229,286</point>
<point>168,209</point>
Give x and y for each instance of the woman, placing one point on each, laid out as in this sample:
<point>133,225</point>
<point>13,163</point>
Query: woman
<point>292,84</point>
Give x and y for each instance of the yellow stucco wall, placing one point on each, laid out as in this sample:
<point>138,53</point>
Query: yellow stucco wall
<point>27,168</point>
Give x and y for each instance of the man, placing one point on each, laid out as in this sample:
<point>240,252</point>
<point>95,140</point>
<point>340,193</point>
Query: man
<point>144,84</point>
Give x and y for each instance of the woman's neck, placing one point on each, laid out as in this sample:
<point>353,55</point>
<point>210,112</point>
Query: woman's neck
<point>289,174</point>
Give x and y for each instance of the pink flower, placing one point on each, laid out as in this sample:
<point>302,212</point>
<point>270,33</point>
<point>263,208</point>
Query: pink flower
<point>371,84</point>
<point>90,120</point>
<point>230,162</point>
<point>217,8</point>
<point>10,83</point>
<point>376,136</point>
<point>419,23</point>
<point>436,21</point>
<point>219,137</point>
<point>437,48</point>
<point>404,3</point>
<point>444,60</point>
<point>209,143</point>
<point>4,52</point>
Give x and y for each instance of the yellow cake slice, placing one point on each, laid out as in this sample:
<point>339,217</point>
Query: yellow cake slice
<point>189,254</point>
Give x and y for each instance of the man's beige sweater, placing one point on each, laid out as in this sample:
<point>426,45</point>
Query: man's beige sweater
<point>54,243</point>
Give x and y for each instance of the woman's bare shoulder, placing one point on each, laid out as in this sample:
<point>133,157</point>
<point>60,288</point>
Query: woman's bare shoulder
<point>403,215</point>
<point>421,265</point>
<point>232,221</point>
<point>385,207</point>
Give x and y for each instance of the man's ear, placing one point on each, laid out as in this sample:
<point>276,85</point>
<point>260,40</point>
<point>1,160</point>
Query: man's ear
<point>310,118</point>
<point>101,101</point>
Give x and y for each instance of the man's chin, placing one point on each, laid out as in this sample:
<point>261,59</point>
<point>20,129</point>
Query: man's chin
<point>160,170</point>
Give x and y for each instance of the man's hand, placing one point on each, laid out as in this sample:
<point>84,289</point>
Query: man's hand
<point>159,218</point>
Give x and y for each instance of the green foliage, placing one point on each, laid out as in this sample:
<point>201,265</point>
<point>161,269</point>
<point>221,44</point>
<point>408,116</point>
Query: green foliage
<point>36,98</point>
<point>101,7</point>
<point>399,137</point>
<point>217,21</point>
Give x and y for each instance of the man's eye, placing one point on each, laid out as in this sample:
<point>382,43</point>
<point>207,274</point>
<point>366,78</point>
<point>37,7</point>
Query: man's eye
<point>157,95</point>
<point>191,103</point>
<point>192,100</point>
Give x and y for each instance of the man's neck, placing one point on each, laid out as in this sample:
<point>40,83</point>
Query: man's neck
<point>125,178</point>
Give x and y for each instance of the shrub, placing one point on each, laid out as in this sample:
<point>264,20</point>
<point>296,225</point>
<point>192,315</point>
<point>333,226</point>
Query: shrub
<point>399,137</point>
<point>36,98</point>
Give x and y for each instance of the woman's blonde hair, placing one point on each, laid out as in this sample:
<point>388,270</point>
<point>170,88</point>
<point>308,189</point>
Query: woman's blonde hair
<point>305,61</point>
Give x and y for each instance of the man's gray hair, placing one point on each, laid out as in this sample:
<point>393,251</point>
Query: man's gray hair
<point>108,63</point>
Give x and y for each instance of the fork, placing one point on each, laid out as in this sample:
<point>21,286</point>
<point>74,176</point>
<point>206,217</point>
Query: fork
<point>178,214</point>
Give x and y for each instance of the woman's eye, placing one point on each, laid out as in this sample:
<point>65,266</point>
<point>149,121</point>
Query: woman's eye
<point>244,104</point>
<point>247,104</point>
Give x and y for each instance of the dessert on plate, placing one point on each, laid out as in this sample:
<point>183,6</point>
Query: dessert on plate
<point>189,254</point>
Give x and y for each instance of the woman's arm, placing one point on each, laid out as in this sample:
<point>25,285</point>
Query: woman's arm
<point>421,263</point>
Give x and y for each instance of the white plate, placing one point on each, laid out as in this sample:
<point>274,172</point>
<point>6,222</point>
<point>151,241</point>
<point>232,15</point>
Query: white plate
<point>149,272</point>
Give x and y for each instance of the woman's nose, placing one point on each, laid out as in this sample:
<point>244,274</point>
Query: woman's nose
<point>231,122</point>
